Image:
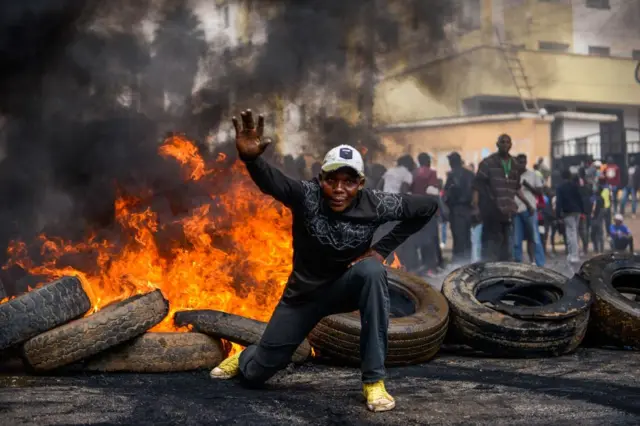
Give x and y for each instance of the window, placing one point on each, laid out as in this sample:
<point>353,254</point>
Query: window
<point>552,46</point>
<point>225,16</point>
<point>599,51</point>
<point>636,54</point>
<point>598,4</point>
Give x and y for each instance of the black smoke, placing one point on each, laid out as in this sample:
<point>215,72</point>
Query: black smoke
<point>83,92</point>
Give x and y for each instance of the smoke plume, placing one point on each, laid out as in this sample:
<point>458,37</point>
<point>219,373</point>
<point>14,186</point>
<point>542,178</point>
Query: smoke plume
<point>86,95</point>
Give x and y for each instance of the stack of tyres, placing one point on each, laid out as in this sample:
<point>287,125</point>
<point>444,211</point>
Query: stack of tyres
<point>614,279</point>
<point>414,335</point>
<point>516,310</point>
<point>110,326</point>
<point>41,310</point>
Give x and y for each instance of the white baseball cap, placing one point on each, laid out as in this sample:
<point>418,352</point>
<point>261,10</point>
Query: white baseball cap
<point>343,156</point>
<point>618,217</point>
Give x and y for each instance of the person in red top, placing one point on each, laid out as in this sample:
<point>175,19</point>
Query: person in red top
<point>614,180</point>
<point>424,176</point>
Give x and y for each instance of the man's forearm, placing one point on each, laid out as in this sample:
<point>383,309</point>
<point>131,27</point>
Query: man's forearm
<point>524,200</point>
<point>399,234</point>
<point>272,181</point>
<point>534,191</point>
<point>416,212</point>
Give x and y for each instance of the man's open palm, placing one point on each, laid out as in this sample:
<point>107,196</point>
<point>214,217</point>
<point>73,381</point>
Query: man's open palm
<point>249,140</point>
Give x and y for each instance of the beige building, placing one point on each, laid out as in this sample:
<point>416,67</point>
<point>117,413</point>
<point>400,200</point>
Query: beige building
<point>577,59</point>
<point>473,137</point>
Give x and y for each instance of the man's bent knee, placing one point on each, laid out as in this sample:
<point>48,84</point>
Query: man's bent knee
<point>369,268</point>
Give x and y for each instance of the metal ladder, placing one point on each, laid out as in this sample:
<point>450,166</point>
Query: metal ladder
<point>520,80</point>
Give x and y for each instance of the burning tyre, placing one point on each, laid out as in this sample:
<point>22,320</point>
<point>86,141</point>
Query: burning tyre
<point>160,353</point>
<point>41,310</point>
<point>234,328</point>
<point>114,324</point>
<point>513,309</point>
<point>417,327</point>
<point>615,315</point>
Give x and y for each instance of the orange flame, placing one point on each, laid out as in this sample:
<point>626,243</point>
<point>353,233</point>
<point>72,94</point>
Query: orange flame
<point>234,253</point>
<point>236,259</point>
<point>395,263</point>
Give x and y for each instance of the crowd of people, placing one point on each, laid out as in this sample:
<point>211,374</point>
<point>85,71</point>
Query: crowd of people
<point>505,210</point>
<point>337,259</point>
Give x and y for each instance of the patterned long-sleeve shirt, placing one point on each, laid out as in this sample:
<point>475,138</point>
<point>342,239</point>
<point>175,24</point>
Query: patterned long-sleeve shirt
<point>325,242</point>
<point>497,182</point>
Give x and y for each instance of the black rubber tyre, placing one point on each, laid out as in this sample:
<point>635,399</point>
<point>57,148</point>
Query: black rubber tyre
<point>88,336</point>
<point>499,334</point>
<point>615,319</point>
<point>234,328</point>
<point>412,339</point>
<point>594,266</point>
<point>41,310</point>
<point>160,353</point>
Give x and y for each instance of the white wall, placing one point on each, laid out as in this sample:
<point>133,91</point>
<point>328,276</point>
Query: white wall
<point>632,121</point>
<point>570,130</point>
<point>617,28</point>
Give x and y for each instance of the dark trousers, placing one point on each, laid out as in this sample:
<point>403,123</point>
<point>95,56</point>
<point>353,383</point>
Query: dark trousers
<point>496,241</point>
<point>607,220</point>
<point>363,287</point>
<point>622,243</point>
<point>460,220</point>
<point>584,231</point>
<point>597,233</point>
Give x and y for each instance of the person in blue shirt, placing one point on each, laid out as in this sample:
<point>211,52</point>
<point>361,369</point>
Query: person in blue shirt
<point>621,237</point>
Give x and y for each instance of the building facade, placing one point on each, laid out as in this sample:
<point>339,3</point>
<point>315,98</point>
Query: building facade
<point>578,58</point>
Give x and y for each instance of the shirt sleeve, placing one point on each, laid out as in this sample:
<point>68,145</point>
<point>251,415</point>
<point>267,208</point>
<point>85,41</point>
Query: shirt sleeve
<point>273,182</point>
<point>413,212</point>
<point>482,176</point>
<point>539,181</point>
<point>408,178</point>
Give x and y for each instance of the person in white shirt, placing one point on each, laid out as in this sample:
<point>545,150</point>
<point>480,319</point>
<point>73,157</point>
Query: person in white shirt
<point>526,223</point>
<point>398,180</point>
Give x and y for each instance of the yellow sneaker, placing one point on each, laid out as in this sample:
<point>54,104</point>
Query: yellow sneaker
<point>228,369</point>
<point>378,399</point>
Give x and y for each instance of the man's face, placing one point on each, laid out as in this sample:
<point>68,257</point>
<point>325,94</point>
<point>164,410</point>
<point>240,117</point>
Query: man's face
<point>504,145</point>
<point>340,188</point>
<point>522,160</point>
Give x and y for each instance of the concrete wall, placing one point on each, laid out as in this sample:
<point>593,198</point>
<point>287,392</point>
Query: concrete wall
<point>527,22</point>
<point>438,89</point>
<point>617,28</point>
<point>473,141</point>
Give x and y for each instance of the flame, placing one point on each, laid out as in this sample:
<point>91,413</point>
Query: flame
<point>233,253</point>
<point>395,263</point>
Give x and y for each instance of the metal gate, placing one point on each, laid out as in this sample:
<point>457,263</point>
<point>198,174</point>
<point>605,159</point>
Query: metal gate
<point>621,146</point>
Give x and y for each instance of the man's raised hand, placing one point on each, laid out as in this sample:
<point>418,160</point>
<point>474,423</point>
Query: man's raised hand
<point>249,140</point>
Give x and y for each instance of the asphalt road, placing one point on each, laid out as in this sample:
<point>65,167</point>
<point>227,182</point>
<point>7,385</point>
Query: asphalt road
<point>591,387</point>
